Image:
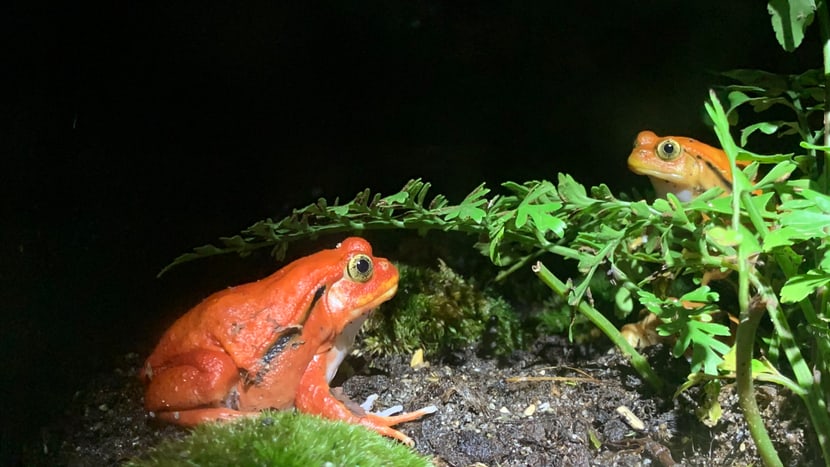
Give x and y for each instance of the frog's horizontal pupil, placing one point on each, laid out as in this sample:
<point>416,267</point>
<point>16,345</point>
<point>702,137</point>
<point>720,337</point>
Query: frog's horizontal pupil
<point>360,268</point>
<point>363,266</point>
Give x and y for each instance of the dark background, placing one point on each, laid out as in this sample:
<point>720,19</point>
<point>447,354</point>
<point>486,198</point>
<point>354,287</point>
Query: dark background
<point>132,132</point>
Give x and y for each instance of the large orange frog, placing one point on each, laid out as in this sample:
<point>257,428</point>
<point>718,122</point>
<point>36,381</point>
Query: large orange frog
<point>275,343</point>
<point>680,165</point>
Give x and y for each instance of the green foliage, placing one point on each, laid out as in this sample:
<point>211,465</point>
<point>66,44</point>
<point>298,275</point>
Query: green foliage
<point>772,239</point>
<point>557,317</point>
<point>281,438</point>
<point>790,18</point>
<point>770,236</point>
<point>693,327</point>
<point>440,311</point>
<point>795,101</point>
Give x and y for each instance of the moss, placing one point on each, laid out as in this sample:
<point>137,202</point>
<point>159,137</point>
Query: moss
<point>441,311</point>
<point>281,438</point>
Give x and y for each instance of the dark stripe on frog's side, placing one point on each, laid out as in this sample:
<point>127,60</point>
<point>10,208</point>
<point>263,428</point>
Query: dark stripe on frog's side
<point>285,337</point>
<point>281,343</point>
<point>727,184</point>
<point>318,294</point>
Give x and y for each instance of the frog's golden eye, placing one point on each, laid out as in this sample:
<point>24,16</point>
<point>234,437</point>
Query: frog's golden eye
<point>669,149</point>
<point>360,268</point>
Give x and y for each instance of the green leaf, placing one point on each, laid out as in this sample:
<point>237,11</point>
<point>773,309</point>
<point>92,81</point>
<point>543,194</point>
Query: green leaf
<point>724,236</point>
<point>623,301</point>
<point>761,82</point>
<point>768,128</point>
<point>538,206</point>
<point>783,236</point>
<point>470,207</point>
<point>798,287</point>
<point>570,191</point>
<point>398,198</point>
<point>641,209</point>
<point>736,99</point>
<point>701,294</point>
<point>806,145</point>
<point>790,18</point>
<point>808,223</point>
<point>469,210</point>
<point>781,171</point>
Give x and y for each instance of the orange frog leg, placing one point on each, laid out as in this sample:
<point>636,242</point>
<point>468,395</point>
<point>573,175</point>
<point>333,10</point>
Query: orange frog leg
<point>189,389</point>
<point>314,396</point>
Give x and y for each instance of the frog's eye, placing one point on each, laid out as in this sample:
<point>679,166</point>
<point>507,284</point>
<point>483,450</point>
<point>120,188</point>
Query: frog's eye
<point>360,268</point>
<point>669,149</point>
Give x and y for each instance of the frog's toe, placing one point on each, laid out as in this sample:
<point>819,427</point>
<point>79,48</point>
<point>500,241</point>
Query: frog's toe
<point>369,402</point>
<point>395,409</point>
<point>390,411</point>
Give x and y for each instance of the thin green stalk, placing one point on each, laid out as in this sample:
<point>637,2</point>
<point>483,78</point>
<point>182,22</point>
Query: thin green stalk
<point>744,347</point>
<point>744,344</point>
<point>639,362</point>
<point>810,391</point>
<point>750,315</point>
<point>824,26</point>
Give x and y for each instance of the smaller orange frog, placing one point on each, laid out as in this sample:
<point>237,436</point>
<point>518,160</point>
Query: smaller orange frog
<point>685,167</point>
<point>274,343</point>
<point>680,165</point>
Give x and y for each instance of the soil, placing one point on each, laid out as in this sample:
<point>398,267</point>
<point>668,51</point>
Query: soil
<point>554,404</point>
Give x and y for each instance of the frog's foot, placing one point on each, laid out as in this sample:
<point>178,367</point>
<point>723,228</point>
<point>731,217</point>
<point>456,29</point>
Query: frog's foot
<point>383,424</point>
<point>315,396</point>
<point>380,421</point>
<point>391,411</point>
<point>333,404</point>
<point>643,333</point>
<point>370,402</point>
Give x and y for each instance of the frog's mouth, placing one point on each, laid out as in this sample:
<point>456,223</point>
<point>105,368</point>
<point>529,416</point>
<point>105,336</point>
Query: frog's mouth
<point>651,173</point>
<point>390,291</point>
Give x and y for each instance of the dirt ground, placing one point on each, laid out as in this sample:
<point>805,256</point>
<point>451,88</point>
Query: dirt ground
<point>565,412</point>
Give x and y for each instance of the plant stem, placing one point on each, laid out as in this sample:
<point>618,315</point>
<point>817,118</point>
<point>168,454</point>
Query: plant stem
<point>639,362</point>
<point>824,26</point>
<point>810,390</point>
<point>744,343</point>
<point>750,313</point>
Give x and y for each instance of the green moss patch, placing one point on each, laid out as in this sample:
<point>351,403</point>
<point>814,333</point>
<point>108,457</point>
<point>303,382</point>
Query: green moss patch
<point>285,439</point>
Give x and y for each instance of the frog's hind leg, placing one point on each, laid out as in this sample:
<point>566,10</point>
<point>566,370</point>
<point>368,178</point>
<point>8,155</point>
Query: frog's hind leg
<point>195,381</point>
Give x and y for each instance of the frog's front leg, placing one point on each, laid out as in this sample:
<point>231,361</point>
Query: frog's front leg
<point>316,397</point>
<point>189,388</point>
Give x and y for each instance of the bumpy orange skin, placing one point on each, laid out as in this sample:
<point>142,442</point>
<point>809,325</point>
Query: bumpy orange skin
<point>274,343</point>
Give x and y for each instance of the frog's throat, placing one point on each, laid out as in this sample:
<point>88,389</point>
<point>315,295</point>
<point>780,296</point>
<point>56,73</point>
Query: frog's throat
<point>683,192</point>
<point>344,341</point>
<point>342,346</point>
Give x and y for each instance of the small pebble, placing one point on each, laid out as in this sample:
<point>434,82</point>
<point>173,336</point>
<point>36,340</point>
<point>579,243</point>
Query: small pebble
<point>632,420</point>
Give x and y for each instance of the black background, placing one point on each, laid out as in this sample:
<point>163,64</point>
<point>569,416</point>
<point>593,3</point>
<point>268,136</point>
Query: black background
<point>133,131</point>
